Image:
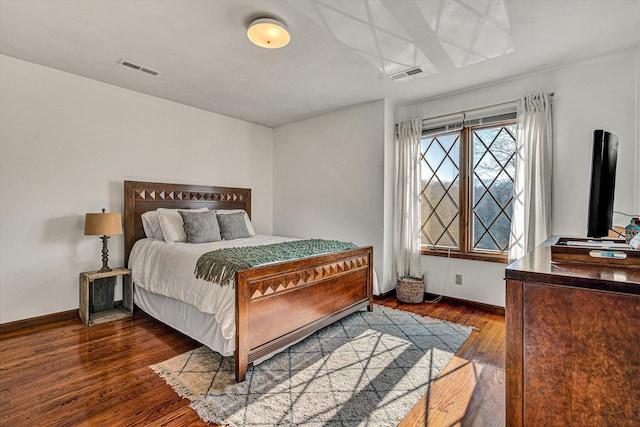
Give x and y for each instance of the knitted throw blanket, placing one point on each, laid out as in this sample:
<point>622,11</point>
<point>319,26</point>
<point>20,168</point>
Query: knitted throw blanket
<point>220,266</point>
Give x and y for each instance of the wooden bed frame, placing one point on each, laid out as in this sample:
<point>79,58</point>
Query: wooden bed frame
<point>276,304</point>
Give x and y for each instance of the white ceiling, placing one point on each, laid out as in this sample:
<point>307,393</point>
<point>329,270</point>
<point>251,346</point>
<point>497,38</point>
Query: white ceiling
<point>340,54</point>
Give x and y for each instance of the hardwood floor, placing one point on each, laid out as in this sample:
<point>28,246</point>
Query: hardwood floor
<point>67,374</point>
<point>471,389</point>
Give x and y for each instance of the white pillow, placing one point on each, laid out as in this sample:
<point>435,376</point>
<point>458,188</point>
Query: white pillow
<point>151,225</point>
<point>172,225</point>
<point>250,229</point>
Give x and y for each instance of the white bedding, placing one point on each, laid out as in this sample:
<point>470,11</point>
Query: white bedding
<point>185,318</point>
<point>168,269</point>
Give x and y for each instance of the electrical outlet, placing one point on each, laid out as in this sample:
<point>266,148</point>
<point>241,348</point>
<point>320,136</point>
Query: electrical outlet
<point>459,279</point>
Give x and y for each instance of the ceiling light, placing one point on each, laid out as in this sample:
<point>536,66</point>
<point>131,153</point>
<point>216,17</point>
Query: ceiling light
<point>268,33</point>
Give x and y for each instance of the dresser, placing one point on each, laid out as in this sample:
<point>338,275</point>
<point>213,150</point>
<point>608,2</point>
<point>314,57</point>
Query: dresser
<point>572,343</point>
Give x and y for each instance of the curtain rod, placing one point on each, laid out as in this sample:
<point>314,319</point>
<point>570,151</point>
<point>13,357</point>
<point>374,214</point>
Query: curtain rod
<point>493,106</point>
<point>479,108</point>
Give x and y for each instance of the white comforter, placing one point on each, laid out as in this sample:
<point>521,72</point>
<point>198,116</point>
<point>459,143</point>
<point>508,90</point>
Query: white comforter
<point>168,269</point>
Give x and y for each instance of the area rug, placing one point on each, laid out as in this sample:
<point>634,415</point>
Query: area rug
<point>369,369</point>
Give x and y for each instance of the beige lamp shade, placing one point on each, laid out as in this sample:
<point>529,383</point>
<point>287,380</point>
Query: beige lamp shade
<point>102,224</point>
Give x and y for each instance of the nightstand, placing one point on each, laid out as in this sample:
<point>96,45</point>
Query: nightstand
<point>89,283</point>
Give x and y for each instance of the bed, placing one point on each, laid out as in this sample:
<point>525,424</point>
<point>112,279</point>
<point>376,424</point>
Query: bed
<point>275,304</point>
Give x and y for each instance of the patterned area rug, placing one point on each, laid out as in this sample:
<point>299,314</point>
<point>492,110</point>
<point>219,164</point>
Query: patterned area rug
<point>369,369</point>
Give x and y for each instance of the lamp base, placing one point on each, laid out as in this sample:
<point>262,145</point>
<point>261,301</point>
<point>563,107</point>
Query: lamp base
<point>105,255</point>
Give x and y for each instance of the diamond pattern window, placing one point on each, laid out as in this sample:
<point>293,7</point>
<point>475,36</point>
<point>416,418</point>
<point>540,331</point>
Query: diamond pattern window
<point>440,195</point>
<point>466,194</point>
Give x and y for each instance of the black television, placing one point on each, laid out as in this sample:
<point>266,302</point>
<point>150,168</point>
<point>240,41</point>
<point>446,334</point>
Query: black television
<point>603,182</point>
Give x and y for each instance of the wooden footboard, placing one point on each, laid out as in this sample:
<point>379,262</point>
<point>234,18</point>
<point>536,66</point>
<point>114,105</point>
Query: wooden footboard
<point>279,304</point>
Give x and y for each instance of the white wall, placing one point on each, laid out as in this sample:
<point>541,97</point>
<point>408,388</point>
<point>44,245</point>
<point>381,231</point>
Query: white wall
<point>388,279</point>
<point>329,178</point>
<point>599,94</point>
<point>66,145</point>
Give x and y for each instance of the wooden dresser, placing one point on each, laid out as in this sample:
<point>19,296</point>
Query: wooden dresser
<point>573,343</point>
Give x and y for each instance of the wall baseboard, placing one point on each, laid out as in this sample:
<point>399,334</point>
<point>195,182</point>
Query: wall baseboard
<point>385,295</point>
<point>73,314</point>
<point>496,309</point>
<point>38,321</point>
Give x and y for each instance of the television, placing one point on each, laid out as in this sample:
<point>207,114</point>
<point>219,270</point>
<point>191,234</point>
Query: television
<point>603,182</point>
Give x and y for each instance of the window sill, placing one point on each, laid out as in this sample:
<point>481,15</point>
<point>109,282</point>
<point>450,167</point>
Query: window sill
<point>474,256</point>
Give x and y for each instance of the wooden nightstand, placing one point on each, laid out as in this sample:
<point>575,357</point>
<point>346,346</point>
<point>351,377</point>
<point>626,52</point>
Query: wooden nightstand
<point>90,279</point>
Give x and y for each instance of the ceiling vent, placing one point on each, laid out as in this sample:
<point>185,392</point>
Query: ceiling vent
<point>410,72</point>
<point>138,67</point>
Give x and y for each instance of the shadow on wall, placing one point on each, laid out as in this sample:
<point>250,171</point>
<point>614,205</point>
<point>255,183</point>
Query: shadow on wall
<point>116,197</point>
<point>68,229</point>
<point>66,233</point>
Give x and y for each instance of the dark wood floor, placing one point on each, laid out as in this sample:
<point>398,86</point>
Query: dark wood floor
<point>66,373</point>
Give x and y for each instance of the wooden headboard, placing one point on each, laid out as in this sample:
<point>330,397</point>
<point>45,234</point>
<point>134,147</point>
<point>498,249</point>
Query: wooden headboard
<point>140,197</point>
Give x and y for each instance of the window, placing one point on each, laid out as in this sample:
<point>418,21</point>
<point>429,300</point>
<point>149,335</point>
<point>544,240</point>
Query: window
<point>467,178</point>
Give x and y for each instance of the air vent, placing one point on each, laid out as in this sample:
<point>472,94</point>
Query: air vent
<point>130,65</point>
<point>406,73</point>
<point>138,67</point>
<point>148,71</point>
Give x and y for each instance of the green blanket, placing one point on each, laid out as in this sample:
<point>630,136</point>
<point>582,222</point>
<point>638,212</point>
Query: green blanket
<point>220,266</point>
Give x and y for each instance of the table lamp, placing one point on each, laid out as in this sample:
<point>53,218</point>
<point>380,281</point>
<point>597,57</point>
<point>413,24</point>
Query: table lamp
<point>103,225</point>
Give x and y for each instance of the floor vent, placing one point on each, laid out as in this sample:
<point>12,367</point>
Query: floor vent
<point>138,67</point>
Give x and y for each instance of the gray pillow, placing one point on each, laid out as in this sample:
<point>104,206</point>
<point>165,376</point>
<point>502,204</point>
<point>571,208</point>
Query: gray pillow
<point>201,227</point>
<point>233,226</point>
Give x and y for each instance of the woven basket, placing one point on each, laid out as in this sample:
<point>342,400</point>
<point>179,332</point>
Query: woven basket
<point>410,290</point>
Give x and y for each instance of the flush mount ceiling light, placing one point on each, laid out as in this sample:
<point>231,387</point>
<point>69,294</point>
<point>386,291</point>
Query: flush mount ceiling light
<point>268,33</point>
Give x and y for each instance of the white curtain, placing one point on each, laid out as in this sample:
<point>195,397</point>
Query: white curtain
<point>407,203</point>
<point>531,222</point>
